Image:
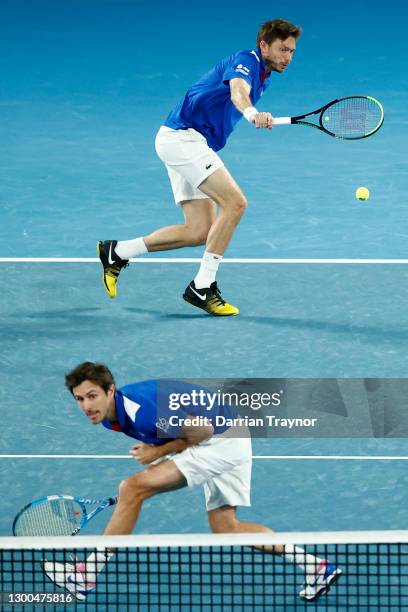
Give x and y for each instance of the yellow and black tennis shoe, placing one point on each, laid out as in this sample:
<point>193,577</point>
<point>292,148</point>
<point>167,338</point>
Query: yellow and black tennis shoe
<point>209,300</point>
<point>112,265</point>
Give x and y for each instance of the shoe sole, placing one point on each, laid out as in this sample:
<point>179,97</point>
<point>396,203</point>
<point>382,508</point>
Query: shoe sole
<point>98,250</point>
<point>213,314</point>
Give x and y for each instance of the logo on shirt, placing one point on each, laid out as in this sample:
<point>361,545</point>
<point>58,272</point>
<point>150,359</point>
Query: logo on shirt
<point>163,424</point>
<point>242,69</point>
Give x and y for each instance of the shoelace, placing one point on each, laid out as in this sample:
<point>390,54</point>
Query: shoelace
<point>217,295</point>
<point>119,266</point>
<point>115,269</point>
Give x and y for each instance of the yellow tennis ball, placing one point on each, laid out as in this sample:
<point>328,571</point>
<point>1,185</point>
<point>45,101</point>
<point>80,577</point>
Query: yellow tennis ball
<point>362,193</point>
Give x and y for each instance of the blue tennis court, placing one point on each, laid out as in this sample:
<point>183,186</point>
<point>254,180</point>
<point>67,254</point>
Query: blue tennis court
<point>84,87</point>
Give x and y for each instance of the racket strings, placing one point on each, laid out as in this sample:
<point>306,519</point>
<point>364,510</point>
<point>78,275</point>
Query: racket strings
<point>353,117</point>
<point>53,518</point>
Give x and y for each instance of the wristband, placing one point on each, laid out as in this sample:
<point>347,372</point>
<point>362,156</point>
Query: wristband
<point>249,113</point>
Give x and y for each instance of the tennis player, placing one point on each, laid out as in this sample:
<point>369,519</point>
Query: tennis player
<point>187,143</point>
<point>187,455</point>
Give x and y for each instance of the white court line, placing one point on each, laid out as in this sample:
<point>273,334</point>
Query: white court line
<point>283,457</point>
<point>178,260</point>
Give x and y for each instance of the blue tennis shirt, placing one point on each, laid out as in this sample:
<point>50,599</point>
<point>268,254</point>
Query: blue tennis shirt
<point>207,105</point>
<point>143,411</point>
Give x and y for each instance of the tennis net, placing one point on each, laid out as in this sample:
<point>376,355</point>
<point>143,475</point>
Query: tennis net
<point>206,572</point>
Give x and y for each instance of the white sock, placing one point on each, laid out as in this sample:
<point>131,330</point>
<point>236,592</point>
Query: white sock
<point>295,554</point>
<point>95,563</point>
<point>208,269</point>
<point>125,249</point>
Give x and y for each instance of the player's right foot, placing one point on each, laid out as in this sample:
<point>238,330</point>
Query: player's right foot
<point>319,583</point>
<point>209,300</point>
<point>70,577</point>
<point>112,265</point>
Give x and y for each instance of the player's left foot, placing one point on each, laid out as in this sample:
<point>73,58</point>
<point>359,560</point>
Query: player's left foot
<point>70,577</point>
<point>209,300</point>
<point>112,265</point>
<point>319,583</point>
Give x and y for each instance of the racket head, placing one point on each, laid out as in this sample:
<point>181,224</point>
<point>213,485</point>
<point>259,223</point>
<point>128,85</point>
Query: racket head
<point>54,515</point>
<point>352,118</point>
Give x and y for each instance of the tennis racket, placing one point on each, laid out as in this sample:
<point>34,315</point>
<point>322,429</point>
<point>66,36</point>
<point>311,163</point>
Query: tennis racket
<point>58,515</point>
<point>348,118</point>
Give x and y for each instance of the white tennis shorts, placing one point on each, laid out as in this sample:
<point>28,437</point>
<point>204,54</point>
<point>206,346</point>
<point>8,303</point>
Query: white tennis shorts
<point>188,160</point>
<point>223,465</point>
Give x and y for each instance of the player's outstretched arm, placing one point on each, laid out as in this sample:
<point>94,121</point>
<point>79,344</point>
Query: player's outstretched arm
<point>240,91</point>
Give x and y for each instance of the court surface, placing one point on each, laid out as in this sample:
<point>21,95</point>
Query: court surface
<point>84,88</point>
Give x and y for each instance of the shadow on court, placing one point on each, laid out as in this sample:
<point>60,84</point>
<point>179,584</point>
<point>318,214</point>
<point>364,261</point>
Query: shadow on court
<point>301,316</point>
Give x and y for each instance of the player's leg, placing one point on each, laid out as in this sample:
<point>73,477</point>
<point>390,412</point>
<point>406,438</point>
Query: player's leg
<point>223,189</point>
<point>224,520</point>
<point>199,215</point>
<point>230,485</point>
<point>196,171</point>
<point>203,291</point>
<point>319,573</point>
<point>178,150</point>
<point>133,491</point>
<point>80,578</point>
<point>231,488</point>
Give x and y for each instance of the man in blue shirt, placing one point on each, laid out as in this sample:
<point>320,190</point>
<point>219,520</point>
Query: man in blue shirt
<point>177,454</point>
<point>187,143</point>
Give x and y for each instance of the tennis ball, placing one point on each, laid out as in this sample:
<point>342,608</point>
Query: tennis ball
<point>362,193</point>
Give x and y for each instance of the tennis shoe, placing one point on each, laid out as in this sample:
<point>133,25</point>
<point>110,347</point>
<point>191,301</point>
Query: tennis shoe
<point>70,577</point>
<point>112,265</point>
<point>319,583</point>
<point>209,300</point>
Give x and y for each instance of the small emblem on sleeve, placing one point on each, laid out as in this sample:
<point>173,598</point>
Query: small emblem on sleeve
<point>242,69</point>
<point>163,424</point>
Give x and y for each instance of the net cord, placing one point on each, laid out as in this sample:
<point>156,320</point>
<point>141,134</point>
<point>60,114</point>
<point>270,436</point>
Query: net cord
<point>199,539</point>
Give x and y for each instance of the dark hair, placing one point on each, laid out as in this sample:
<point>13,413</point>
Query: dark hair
<point>277,28</point>
<point>95,372</point>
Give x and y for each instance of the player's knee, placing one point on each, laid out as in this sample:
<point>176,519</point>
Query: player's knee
<point>242,203</point>
<point>126,489</point>
<point>133,489</point>
<point>237,206</point>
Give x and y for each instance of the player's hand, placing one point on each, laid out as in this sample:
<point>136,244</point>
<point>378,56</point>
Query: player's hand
<point>263,120</point>
<point>144,453</point>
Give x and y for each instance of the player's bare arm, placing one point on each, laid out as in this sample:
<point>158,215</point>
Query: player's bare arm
<point>192,435</point>
<point>240,91</point>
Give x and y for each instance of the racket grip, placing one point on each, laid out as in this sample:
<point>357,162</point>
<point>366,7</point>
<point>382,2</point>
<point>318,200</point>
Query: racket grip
<point>282,121</point>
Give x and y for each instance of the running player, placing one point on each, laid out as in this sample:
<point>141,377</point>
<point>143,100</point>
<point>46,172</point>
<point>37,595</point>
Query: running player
<point>187,143</point>
<point>205,454</point>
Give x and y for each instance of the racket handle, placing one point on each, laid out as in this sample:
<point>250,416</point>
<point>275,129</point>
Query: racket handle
<point>282,121</point>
